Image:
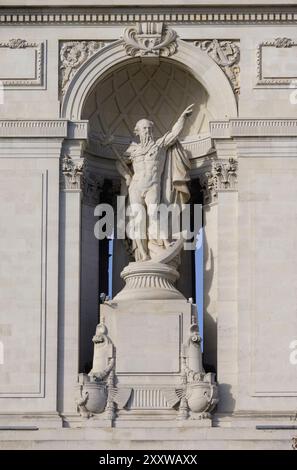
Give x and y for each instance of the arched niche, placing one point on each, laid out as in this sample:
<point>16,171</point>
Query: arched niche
<point>210,91</point>
<point>222,103</point>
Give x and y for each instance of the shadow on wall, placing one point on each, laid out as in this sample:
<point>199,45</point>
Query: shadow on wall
<point>209,320</point>
<point>227,401</point>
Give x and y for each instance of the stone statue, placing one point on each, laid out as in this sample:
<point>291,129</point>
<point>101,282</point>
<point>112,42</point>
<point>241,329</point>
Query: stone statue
<point>154,172</point>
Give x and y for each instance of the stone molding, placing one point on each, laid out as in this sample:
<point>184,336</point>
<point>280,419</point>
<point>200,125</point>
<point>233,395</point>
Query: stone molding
<point>184,15</point>
<point>44,128</point>
<point>39,47</point>
<point>280,42</point>
<point>222,176</point>
<point>253,128</point>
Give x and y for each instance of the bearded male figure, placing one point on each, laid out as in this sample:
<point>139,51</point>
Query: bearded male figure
<point>160,175</point>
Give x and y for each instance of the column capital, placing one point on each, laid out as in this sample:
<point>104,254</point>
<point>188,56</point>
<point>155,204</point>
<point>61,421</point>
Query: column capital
<point>220,176</point>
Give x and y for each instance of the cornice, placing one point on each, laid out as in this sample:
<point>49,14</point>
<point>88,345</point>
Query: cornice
<point>61,128</point>
<point>129,15</point>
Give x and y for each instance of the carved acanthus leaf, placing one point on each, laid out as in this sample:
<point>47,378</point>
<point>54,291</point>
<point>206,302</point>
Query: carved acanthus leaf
<point>149,39</point>
<point>283,42</point>
<point>226,54</point>
<point>18,44</point>
<point>71,173</point>
<point>222,176</point>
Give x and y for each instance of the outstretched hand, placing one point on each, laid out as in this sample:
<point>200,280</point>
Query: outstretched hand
<point>188,111</point>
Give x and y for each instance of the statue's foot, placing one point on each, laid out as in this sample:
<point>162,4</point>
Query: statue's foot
<point>145,257</point>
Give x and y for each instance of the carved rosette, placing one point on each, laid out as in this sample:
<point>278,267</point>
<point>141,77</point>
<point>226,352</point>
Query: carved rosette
<point>149,40</point>
<point>71,173</point>
<point>72,55</point>
<point>222,176</point>
<point>226,54</point>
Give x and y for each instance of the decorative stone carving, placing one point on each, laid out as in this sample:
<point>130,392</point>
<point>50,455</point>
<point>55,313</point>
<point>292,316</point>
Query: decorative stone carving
<point>226,54</point>
<point>71,173</point>
<point>222,176</point>
<point>149,39</point>
<point>154,173</point>
<point>150,168</point>
<point>18,44</point>
<point>72,55</point>
<point>97,390</point>
<point>198,394</point>
<point>283,42</point>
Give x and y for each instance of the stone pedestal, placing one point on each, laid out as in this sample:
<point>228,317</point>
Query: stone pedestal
<point>147,355</point>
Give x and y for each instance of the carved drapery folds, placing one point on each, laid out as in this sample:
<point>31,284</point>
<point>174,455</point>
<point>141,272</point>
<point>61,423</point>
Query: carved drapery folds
<point>72,55</point>
<point>149,40</point>
<point>226,54</point>
<point>221,176</point>
<point>71,173</point>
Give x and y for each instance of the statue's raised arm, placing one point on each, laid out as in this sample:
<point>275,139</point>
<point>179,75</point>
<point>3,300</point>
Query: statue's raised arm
<point>170,137</point>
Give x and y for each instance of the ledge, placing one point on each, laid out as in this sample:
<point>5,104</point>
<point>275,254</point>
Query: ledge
<point>253,128</point>
<point>61,128</point>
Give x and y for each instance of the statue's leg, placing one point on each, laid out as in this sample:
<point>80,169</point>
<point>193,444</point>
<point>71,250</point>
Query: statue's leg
<point>152,200</point>
<point>139,223</point>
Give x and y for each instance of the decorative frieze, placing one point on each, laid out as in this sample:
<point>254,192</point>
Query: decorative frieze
<point>72,55</point>
<point>149,40</point>
<point>226,54</point>
<point>71,173</point>
<point>221,177</point>
<point>183,15</point>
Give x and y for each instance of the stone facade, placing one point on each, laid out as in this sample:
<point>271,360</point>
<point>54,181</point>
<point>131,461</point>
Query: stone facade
<point>73,77</point>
